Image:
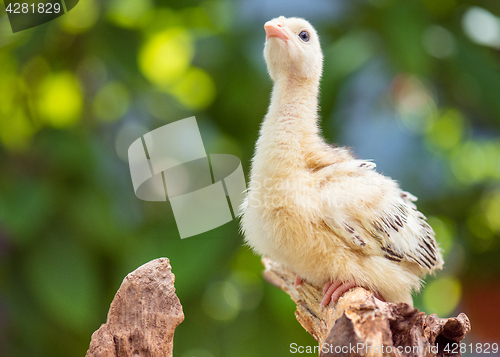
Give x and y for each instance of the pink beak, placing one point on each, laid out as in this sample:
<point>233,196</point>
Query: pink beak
<point>274,29</point>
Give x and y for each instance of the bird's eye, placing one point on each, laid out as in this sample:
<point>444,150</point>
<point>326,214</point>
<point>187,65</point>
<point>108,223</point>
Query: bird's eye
<point>304,36</point>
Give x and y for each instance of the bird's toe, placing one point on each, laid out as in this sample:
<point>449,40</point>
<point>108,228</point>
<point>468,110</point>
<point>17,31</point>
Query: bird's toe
<point>334,289</point>
<point>298,281</point>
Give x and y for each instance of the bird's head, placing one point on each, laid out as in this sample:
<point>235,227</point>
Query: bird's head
<point>292,49</point>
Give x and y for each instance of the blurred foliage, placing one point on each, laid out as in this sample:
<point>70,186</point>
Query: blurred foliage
<point>77,91</point>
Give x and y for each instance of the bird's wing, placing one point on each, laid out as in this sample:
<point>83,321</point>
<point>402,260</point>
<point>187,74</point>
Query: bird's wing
<point>375,216</point>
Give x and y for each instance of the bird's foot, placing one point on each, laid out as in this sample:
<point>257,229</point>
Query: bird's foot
<point>334,289</point>
<point>298,281</point>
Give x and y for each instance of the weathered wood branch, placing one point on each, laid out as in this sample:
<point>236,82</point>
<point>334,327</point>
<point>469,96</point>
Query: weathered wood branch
<point>145,312</point>
<point>142,317</point>
<point>362,325</point>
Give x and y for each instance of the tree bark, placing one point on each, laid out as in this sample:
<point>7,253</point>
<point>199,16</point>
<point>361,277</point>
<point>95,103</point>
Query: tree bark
<point>142,317</point>
<point>361,325</point>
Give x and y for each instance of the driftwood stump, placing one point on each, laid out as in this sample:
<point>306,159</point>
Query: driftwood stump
<point>362,325</point>
<point>142,317</point>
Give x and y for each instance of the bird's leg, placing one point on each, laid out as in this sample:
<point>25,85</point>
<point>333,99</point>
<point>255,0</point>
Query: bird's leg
<point>298,281</point>
<point>334,289</point>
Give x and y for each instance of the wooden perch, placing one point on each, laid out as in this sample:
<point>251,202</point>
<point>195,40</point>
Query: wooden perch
<point>145,312</point>
<point>142,317</point>
<point>362,325</point>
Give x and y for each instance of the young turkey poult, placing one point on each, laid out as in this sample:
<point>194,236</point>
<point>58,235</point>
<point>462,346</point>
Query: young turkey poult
<point>315,208</point>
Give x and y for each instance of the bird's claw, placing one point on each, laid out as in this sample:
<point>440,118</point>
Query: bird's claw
<point>298,281</point>
<point>334,289</point>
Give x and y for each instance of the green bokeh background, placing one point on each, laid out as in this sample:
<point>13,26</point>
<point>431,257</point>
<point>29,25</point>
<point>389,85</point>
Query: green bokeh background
<point>414,85</point>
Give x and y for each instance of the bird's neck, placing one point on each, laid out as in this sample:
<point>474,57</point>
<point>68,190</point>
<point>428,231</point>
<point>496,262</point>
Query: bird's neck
<point>294,105</point>
<point>290,126</point>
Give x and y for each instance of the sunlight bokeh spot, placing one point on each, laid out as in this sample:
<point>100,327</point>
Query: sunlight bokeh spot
<point>468,163</point>
<point>439,42</point>
<point>442,296</point>
<point>222,301</point>
<point>482,27</point>
<point>60,100</point>
<point>349,53</point>
<point>81,18</point>
<point>447,130</point>
<point>166,57</point>
<point>479,225</point>
<point>250,289</point>
<point>111,102</point>
<point>196,90</point>
<point>128,13</point>
<point>414,102</point>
